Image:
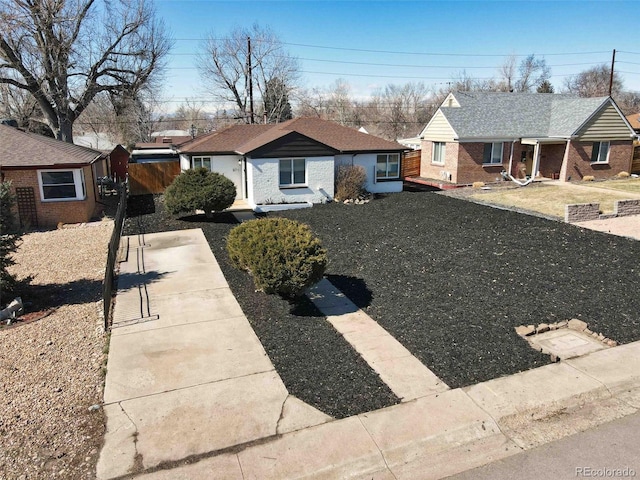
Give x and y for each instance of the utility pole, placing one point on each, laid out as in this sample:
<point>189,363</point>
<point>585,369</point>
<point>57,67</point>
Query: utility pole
<point>250,80</point>
<point>613,62</point>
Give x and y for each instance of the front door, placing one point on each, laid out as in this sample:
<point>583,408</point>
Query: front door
<point>232,169</point>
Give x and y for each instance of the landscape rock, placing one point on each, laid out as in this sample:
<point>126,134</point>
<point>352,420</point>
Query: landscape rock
<point>543,327</point>
<point>578,325</point>
<point>525,331</point>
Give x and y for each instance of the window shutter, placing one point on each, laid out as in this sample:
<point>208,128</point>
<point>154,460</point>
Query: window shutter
<point>486,156</point>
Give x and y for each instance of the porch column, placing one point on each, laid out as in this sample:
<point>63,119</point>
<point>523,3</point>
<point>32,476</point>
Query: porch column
<point>565,162</point>
<point>536,161</point>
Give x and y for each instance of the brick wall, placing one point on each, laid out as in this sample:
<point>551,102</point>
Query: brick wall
<point>579,162</point>
<point>471,169</point>
<point>52,213</point>
<point>551,157</point>
<point>440,172</point>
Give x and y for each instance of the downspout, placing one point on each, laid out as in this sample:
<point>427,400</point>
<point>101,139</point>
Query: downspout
<point>511,157</point>
<point>508,176</point>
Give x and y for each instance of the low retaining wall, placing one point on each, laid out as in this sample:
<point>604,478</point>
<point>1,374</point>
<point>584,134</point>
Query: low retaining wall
<point>582,212</point>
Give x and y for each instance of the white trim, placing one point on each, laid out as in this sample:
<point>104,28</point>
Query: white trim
<point>442,152</point>
<point>78,182</point>
<point>293,185</point>
<point>387,177</point>
<point>201,158</point>
<point>606,160</point>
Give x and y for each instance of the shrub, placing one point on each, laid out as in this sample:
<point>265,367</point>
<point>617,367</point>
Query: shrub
<point>588,178</point>
<point>9,239</point>
<point>477,184</point>
<point>199,189</point>
<point>282,255</point>
<point>624,174</point>
<point>350,180</point>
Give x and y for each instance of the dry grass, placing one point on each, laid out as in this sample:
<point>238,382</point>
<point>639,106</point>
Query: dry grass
<point>551,199</point>
<point>631,185</point>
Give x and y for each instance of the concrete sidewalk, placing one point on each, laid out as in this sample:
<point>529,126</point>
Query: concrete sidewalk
<point>190,393</point>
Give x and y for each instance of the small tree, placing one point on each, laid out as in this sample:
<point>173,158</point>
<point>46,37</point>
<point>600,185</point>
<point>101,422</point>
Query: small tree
<point>282,255</point>
<point>8,239</point>
<point>199,189</point>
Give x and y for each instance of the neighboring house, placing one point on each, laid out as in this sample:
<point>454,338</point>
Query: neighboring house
<point>54,181</point>
<point>475,136</point>
<point>634,121</point>
<point>293,162</point>
<point>414,143</point>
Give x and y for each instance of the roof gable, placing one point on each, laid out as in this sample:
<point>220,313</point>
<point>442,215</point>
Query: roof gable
<point>28,150</point>
<point>243,139</point>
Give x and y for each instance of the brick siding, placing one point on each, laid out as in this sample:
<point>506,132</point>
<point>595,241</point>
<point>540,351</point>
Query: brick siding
<point>52,213</point>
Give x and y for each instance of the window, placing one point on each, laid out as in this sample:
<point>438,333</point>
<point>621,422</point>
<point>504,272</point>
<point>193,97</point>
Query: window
<point>600,152</point>
<point>438,153</point>
<point>492,153</point>
<point>293,172</point>
<point>204,162</point>
<point>388,166</point>
<point>61,185</point>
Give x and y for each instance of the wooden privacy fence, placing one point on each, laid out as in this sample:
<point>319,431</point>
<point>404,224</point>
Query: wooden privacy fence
<point>411,164</point>
<point>152,177</point>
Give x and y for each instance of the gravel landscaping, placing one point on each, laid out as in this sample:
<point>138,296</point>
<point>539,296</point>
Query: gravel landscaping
<point>52,360</point>
<point>448,278</point>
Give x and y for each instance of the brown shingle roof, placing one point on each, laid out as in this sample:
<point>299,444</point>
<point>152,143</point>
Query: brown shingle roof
<point>25,149</point>
<point>244,139</point>
<point>634,121</point>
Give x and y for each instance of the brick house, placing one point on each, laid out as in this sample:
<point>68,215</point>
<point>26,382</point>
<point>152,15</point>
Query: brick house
<point>54,182</point>
<point>292,164</point>
<point>483,136</point>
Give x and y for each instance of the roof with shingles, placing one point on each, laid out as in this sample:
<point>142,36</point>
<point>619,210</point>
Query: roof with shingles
<point>244,139</point>
<point>634,120</point>
<point>519,115</point>
<point>25,149</point>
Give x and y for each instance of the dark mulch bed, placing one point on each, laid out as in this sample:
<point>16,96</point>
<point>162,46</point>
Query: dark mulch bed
<point>316,364</point>
<point>450,279</point>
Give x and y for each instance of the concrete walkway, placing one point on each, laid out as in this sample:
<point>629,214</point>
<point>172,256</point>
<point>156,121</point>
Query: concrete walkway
<point>186,373</point>
<point>405,375</point>
<point>190,393</point>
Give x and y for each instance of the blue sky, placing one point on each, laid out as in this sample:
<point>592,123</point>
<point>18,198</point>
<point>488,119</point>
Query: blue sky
<point>431,41</point>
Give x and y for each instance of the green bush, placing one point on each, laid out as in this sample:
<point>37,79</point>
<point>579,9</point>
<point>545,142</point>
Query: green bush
<point>9,239</point>
<point>350,180</point>
<point>199,189</point>
<point>282,255</point>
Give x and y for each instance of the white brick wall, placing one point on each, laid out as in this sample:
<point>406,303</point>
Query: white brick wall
<point>263,178</point>
<point>368,161</point>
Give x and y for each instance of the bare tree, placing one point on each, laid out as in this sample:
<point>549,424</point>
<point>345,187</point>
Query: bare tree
<point>65,52</point>
<point>402,110</point>
<point>507,72</point>
<point>533,72</point>
<point>594,82</point>
<point>224,65</point>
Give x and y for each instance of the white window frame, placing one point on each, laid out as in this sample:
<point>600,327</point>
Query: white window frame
<point>292,177</point>
<point>493,151</point>
<point>78,183</point>
<point>386,175</point>
<point>201,158</point>
<point>598,159</point>
<point>442,152</point>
